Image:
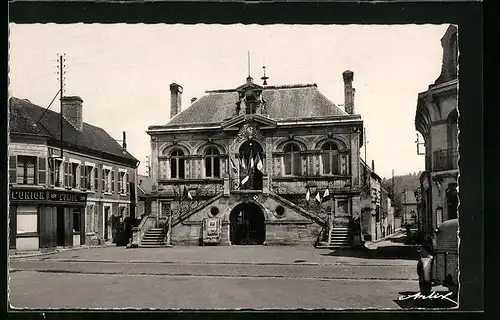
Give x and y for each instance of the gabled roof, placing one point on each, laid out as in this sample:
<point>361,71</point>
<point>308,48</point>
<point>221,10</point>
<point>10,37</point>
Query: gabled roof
<point>23,117</point>
<point>282,102</point>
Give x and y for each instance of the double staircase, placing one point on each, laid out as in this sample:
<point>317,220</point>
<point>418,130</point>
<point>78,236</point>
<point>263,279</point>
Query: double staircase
<point>153,238</point>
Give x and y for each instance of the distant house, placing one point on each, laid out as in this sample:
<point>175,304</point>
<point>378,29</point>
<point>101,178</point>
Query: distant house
<point>371,213</point>
<point>409,208</point>
<point>67,187</point>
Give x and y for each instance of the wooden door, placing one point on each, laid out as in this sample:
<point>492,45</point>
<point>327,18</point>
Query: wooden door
<point>68,227</point>
<point>82,226</point>
<point>44,227</point>
<point>12,226</point>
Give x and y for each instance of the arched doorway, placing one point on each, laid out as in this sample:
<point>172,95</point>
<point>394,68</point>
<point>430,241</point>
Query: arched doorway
<point>452,201</point>
<point>251,153</point>
<point>248,225</point>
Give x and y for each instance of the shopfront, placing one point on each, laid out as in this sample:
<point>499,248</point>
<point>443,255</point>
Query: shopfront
<point>44,219</point>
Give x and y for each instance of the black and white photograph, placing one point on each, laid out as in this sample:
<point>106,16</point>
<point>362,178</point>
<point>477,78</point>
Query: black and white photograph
<point>233,167</point>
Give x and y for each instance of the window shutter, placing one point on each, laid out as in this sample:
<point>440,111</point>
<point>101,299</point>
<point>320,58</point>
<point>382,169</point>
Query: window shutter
<point>66,174</point>
<point>96,179</point>
<point>103,173</point>
<point>42,170</point>
<point>83,177</point>
<point>125,177</point>
<point>112,180</point>
<point>12,169</point>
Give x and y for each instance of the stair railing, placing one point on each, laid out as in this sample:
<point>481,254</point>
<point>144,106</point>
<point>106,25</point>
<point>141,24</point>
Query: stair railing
<point>138,232</point>
<point>330,227</point>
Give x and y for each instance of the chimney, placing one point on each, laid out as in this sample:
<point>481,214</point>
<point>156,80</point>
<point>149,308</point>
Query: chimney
<point>175,99</point>
<point>348,91</point>
<point>193,100</point>
<point>124,141</point>
<point>373,165</point>
<point>72,111</point>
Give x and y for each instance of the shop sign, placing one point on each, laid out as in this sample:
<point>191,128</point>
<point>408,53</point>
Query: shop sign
<point>64,196</point>
<point>47,195</point>
<point>30,195</point>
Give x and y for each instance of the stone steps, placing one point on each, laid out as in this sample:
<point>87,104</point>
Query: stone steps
<point>339,238</point>
<point>153,239</point>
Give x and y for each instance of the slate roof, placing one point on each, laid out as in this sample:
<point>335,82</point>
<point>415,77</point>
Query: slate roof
<point>23,115</point>
<point>283,102</point>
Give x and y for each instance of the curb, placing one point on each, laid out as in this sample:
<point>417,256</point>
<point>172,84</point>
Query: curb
<point>325,264</point>
<point>399,232</point>
<point>38,254</point>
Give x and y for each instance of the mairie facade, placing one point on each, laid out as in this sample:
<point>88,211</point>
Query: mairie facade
<point>69,187</point>
<point>436,119</point>
<point>275,165</point>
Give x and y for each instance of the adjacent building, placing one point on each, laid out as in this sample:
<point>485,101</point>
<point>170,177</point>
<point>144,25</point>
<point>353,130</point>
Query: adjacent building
<point>437,120</point>
<point>70,183</point>
<point>275,164</point>
<point>371,213</point>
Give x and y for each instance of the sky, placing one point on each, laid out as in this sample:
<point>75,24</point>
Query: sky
<point>123,72</point>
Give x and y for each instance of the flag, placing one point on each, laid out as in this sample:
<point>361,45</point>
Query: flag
<point>187,194</point>
<point>233,165</point>
<point>308,194</point>
<point>326,195</point>
<point>259,163</point>
<point>318,197</point>
<point>243,163</point>
<point>244,180</point>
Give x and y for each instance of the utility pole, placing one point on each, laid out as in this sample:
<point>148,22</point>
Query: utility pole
<point>365,142</point>
<point>148,165</point>
<point>404,205</point>
<point>61,73</point>
<point>392,184</point>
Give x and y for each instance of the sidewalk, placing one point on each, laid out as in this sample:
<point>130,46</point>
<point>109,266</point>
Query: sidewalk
<point>384,241</point>
<point>249,255</point>
<point>37,253</point>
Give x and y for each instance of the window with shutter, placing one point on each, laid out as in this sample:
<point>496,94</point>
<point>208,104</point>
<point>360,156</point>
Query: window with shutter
<point>12,169</point>
<point>26,170</point>
<point>112,181</point>
<point>42,171</point>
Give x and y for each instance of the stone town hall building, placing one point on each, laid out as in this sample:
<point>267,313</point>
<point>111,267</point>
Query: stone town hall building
<point>249,156</point>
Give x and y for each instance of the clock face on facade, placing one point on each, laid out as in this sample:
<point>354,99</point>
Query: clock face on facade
<point>251,130</point>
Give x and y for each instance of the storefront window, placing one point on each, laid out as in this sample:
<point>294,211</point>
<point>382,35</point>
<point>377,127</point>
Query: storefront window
<point>27,219</point>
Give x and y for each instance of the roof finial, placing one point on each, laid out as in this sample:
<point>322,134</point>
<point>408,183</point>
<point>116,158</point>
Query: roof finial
<point>249,78</point>
<point>264,78</point>
<point>249,64</point>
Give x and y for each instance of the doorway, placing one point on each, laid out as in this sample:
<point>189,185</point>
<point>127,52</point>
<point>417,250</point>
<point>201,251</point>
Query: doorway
<point>247,225</point>
<point>251,158</point>
<point>106,223</point>
<point>61,232</point>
